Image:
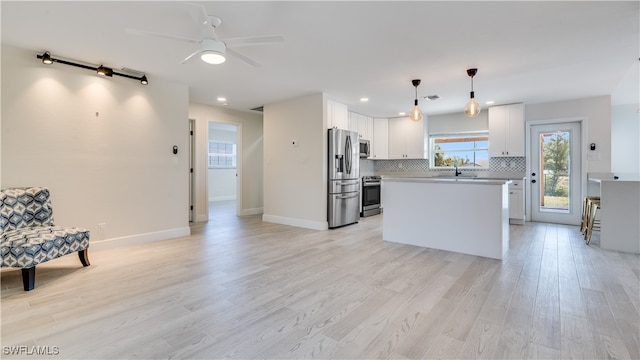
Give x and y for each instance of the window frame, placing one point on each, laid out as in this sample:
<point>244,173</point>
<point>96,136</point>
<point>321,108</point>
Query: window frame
<point>458,135</point>
<point>233,155</point>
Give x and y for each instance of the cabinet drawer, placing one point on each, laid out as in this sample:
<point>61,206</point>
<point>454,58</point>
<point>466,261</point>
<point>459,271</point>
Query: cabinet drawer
<point>516,184</point>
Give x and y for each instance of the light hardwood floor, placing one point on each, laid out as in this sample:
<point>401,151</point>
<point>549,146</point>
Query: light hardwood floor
<point>243,288</point>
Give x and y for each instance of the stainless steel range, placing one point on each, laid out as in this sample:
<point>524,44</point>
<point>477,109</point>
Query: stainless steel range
<point>370,195</point>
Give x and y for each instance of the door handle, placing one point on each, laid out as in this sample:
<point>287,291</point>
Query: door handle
<point>349,183</point>
<point>348,197</point>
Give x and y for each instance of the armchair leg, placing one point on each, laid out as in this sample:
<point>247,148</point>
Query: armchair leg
<point>84,257</point>
<point>29,278</point>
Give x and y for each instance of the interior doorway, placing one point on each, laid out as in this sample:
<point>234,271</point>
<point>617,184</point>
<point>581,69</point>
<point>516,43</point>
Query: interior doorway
<point>222,170</point>
<point>556,172</point>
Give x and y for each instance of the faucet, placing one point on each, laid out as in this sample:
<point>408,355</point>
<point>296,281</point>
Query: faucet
<point>455,164</point>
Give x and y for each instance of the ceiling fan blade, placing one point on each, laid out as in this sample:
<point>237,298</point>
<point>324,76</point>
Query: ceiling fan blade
<point>203,17</point>
<point>254,40</point>
<point>190,56</point>
<point>163,36</point>
<point>243,57</point>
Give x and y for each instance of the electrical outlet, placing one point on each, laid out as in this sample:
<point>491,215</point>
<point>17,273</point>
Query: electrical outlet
<point>102,231</point>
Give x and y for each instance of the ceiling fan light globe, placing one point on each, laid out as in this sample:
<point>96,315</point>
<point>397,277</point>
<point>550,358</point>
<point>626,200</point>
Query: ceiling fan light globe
<point>212,57</point>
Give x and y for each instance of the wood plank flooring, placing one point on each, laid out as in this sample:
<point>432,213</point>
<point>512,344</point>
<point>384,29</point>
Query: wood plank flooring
<point>242,288</point>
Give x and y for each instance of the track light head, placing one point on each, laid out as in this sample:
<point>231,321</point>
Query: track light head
<point>104,71</point>
<point>143,80</point>
<point>46,58</point>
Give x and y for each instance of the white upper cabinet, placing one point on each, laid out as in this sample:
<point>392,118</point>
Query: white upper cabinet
<point>380,142</point>
<point>361,124</point>
<point>406,138</point>
<point>506,130</point>
<point>337,115</point>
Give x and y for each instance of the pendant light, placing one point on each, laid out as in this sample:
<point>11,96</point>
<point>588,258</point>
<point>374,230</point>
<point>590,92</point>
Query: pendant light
<point>472,108</point>
<point>416,113</point>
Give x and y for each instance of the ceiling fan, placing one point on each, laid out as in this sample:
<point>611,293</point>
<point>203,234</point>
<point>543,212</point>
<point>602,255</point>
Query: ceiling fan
<point>211,49</point>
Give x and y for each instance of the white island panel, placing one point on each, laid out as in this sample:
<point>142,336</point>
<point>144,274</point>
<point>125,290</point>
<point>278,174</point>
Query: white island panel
<point>466,216</point>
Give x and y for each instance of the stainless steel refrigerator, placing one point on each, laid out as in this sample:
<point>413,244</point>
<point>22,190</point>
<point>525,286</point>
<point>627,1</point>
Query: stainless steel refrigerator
<point>344,178</point>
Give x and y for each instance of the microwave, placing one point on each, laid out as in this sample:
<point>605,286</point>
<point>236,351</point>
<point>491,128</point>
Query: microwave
<point>365,149</point>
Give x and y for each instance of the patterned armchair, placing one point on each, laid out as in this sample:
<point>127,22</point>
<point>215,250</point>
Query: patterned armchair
<point>28,235</point>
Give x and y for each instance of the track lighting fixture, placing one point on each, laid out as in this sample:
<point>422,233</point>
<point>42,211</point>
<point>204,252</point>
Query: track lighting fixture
<point>46,58</point>
<point>416,113</point>
<point>104,71</point>
<point>100,69</point>
<point>472,108</point>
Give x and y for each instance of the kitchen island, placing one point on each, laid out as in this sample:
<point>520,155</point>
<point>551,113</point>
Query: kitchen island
<point>465,215</point>
<point>619,211</point>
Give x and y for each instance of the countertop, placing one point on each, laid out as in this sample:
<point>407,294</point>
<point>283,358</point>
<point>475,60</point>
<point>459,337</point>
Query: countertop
<point>621,177</point>
<point>458,180</point>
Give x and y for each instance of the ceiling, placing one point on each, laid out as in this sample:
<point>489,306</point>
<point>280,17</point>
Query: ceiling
<point>525,51</point>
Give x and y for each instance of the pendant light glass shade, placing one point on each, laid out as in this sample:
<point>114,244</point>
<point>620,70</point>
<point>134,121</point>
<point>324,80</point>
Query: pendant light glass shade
<point>416,113</point>
<point>472,108</point>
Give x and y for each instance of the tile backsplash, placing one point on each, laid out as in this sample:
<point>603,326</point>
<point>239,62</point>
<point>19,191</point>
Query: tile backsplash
<point>502,164</point>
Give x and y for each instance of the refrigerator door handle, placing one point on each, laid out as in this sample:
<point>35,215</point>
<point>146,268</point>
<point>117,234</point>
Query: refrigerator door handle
<point>348,155</point>
<point>348,183</point>
<point>347,196</point>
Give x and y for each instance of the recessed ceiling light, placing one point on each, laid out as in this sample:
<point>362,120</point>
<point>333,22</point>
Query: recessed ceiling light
<point>222,99</point>
<point>402,113</point>
<point>364,99</point>
<point>490,102</point>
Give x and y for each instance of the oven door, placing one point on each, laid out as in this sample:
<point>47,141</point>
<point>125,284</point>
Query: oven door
<point>370,195</point>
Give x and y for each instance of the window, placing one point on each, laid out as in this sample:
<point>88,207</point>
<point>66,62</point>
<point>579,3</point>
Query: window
<point>222,155</point>
<point>470,150</point>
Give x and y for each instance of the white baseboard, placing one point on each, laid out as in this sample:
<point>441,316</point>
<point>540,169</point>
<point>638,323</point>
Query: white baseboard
<point>139,238</point>
<point>254,211</point>
<point>307,224</point>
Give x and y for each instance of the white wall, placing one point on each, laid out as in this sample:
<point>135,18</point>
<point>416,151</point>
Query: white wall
<point>250,172</point>
<point>625,139</point>
<point>596,112</point>
<point>295,180</point>
<point>625,122</point>
<point>457,122</point>
<point>102,145</point>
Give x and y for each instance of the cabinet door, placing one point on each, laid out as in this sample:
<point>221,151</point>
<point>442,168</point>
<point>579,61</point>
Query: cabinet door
<point>497,131</point>
<point>516,204</point>
<point>353,122</point>
<point>380,144</point>
<point>363,129</point>
<point>339,114</point>
<point>396,138</point>
<point>414,139</point>
<point>369,132</point>
<point>514,142</point>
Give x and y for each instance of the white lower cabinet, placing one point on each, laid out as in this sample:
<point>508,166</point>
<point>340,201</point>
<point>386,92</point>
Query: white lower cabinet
<point>516,202</point>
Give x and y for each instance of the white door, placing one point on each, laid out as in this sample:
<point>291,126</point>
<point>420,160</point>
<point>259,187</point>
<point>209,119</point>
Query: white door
<point>556,193</point>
